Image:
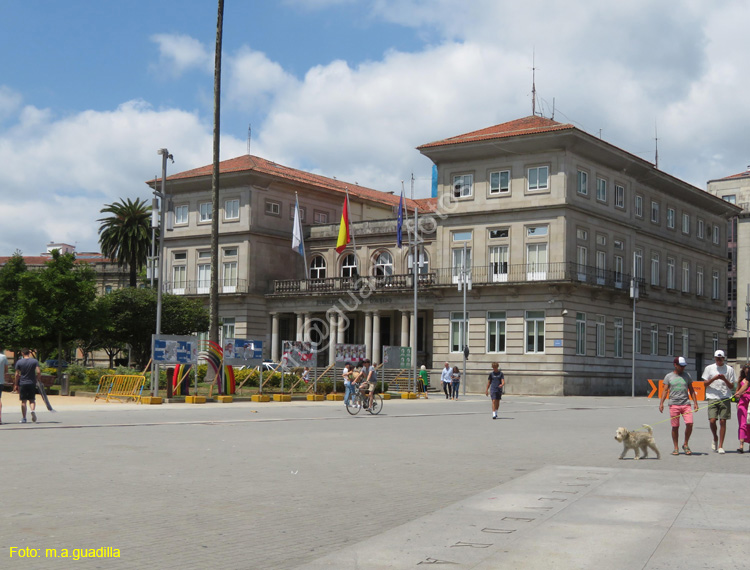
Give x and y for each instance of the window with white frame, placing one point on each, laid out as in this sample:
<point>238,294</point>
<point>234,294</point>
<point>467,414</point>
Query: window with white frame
<point>654,339</point>
<point>654,269</point>
<point>320,217</point>
<point>582,235</point>
<point>655,212</point>
<point>179,279</point>
<point>462,235</point>
<point>685,223</point>
<point>686,277</point>
<point>227,328</point>
<point>383,265</point>
<point>670,340</point>
<point>699,281</point>
<point>230,252</point>
<point>601,189</point>
<point>619,337</point>
<point>731,198</point>
<point>715,342</point>
<point>638,264</point>
<point>534,324</point>
<point>318,267</point>
<point>232,209</point>
<point>619,269</point>
<point>229,276</point>
<point>500,182</point>
<point>498,255</point>
<point>670,218</point>
<point>273,208</point>
<point>582,256</point>
<point>536,261</point>
<point>583,183</point>
<point>637,338</point>
<point>685,341</point>
<point>716,234</point>
<point>204,277</point>
<point>496,331</point>
<point>460,259</point>
<point>302,213</point>
<point>423,265</point>
<point>349,266</point>
<point>715,285</point>
<point>638,206</point>
<point>581,334</point>
<point>205,211</point>
<point>601,335</point>
<point>181,215</point>
<point>459,331</point>
<point>601,239</point>
<point>536,231</point>
<point>463,185</point>
<point>670,273</point>
<point>502,233</point>
<point>538,178</point>
<point>601,266</point>
<point>619,196</point>
<point>701,229</point>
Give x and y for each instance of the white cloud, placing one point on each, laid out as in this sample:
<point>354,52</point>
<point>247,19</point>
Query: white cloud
<point>65,169</point>
<point>179,53</point>
<point>10,102</point>
<point>254,80</point>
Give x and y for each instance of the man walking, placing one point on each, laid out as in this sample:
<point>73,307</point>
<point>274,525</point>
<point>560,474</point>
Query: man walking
<point>678,386</point>
<point>27,372</point>
<point>719,379</point>
<point>445,378</point>
<point>495,385</point>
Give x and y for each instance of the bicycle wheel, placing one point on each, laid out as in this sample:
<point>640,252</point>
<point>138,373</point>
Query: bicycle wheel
<point>354,405</point>
<point>377,404</point>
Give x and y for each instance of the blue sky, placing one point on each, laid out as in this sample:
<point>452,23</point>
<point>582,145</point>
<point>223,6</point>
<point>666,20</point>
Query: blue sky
<point>347,88</point>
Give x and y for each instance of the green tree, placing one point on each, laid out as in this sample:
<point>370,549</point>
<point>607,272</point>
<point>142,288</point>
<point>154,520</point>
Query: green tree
<point>56,303</point>
<point>131,313</point>
<point>125,236</point>
<point>10,284</point>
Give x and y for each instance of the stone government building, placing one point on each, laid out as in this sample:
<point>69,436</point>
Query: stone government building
<point>554,223</point>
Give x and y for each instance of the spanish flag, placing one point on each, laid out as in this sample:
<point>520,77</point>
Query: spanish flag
<point>344,234</point>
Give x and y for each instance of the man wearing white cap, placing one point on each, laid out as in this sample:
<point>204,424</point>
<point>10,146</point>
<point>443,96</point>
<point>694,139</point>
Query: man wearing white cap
<point>678,386</point>
<point>719,379</point>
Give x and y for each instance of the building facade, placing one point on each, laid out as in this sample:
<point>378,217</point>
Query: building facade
<point>735,189</point>
<point>553,224</point>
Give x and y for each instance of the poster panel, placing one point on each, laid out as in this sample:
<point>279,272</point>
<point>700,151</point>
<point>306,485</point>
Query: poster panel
<point>170,349</point>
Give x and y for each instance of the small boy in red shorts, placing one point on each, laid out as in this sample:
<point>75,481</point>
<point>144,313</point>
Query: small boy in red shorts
<point>678,386</point>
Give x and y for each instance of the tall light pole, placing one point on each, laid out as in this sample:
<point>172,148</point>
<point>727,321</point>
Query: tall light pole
<point>747,325</point>
<point>464,283</point>
<point>162,195</point>
<point>634,296</point>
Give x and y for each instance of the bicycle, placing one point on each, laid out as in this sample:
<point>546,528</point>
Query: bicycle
<point>359,401</point>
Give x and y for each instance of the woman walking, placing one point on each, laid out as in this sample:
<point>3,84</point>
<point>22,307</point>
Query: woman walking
<point>455,382</point>
<point>743,399</point>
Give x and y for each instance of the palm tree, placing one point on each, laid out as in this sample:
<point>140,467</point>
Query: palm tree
<point>125,236</point>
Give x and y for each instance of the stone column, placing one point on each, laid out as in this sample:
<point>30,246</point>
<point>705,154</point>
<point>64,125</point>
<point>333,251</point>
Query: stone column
<point>306,329</point>
<point>298,336</point>
<point>377,350</point>
<point>404,328</point>
<point>332,329</point>
<point>275,352</point>
<point>368,335</point>
<point>340,329</point>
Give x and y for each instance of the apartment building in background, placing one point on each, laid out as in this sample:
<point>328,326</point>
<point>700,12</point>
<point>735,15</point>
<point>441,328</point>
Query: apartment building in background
<point>735,189</point>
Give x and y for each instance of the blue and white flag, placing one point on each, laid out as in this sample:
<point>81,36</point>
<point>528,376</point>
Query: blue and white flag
<point>400,222</point>
<point>298,244</point>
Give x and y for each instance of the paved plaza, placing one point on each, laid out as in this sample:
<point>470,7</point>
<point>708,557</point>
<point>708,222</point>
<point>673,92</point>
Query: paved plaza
<point>305,485</point>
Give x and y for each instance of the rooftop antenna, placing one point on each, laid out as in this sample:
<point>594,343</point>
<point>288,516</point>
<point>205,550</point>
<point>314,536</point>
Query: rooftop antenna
<point>533,82</point>
<point>656,147</point>
<point>553,108</point>
<point>249,136</point>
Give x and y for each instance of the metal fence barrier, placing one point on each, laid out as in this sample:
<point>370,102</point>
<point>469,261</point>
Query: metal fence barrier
<point>120,386</point>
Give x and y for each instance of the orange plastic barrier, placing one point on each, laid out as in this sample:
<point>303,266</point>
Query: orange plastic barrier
<point>699,387</point>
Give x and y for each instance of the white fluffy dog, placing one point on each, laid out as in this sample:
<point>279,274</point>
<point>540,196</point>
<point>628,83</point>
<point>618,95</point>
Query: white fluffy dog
<point>636,440</point>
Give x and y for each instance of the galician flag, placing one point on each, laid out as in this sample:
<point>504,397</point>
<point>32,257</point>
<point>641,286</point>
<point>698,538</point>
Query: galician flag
<point>344,233</point>
<point>298,244</point>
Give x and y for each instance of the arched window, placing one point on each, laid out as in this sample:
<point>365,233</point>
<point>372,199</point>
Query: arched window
<point>349,266</point>
<point>383,264</point>
<point>318,268</point>
<point>423,266</point>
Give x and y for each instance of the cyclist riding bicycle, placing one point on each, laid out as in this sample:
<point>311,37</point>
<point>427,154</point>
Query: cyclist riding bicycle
<point>369,380</point>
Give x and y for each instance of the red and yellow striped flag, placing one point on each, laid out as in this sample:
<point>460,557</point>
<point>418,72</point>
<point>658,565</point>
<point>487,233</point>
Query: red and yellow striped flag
<point>344,234</point>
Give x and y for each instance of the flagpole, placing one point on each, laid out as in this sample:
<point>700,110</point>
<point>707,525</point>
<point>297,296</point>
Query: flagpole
<point>351,231</point>
<point>415,262</point>
<point>301,237</point>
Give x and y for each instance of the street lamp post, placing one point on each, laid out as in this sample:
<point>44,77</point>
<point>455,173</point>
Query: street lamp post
<point>634,296</point>
<point>464,283</point>
<point>162,195</point>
